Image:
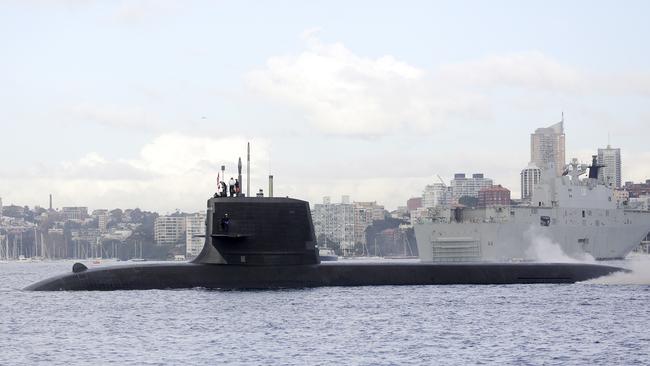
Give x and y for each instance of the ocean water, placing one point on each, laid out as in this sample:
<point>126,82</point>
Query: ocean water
<point>603,322</point>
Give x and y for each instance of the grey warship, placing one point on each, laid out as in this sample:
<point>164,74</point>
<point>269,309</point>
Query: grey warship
<point>269,242</point>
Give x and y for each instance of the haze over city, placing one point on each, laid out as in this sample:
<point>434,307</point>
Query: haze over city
<point>138,103</point>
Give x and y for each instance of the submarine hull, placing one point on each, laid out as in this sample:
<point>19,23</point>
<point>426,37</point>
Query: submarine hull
<point>262,243</point>
<point>216,276</point>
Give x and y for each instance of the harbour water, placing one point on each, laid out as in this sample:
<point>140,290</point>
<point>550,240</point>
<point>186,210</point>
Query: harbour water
<point>602,322</point>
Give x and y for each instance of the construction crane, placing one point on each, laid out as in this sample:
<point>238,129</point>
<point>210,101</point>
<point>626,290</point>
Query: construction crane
<point>441,181</point>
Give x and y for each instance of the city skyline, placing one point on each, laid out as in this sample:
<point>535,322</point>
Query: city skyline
<point>138,104</point>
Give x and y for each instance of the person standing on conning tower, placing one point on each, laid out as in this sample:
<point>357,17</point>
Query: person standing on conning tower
<point>225,223</point>
<point>231,184</point>
<point>224,189</point>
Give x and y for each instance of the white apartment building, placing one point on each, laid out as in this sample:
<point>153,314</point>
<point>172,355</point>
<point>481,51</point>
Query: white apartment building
<point>547,147</point>
<point>75,213</point>
<point>436,194</point>
<point>168,230</point>
<point>345,223</point>
<point>465,186</point>
<point>194,227</point>
<point>530,176</point>
<point>102,219</point>
<point>610,174</point>
<point>334,221</point>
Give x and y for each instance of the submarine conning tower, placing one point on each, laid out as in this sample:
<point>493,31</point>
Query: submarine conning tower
<point>258,231</point>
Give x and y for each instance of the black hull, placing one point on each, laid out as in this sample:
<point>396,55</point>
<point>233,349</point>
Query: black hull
<point>216,276</point>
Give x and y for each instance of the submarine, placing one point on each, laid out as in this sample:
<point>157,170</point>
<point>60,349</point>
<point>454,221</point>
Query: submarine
<point>269,243</point>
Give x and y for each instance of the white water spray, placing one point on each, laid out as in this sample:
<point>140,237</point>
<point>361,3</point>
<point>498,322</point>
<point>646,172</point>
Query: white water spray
<point>543,249</point>
<point>638,264</point>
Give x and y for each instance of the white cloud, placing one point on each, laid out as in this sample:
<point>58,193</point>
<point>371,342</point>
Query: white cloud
<point>342,93</point>
<point>172,171</point>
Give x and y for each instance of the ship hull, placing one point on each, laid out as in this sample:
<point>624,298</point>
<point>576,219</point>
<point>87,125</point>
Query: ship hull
<point>215,276</point>
<point>597,236</point>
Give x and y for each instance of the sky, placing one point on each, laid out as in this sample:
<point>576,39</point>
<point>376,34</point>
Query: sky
<point>138,103</point>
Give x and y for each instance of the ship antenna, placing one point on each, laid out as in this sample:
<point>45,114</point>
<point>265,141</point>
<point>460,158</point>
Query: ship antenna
<point>248,171</point>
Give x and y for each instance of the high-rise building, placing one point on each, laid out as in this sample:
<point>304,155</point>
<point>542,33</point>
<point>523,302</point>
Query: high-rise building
<point>364,215</point>
<point>0,207</point>
<point>344,223</point>
<point>194,234</point>
<point>102,223</point>
<point>494,196</point>
<point>436,194</point>
<point>464,186</point>
<point>530,176</point>
<point>168,230</point>
<point>102,219</point>
<point>547,147</point>
<point>610,174</point>
<point>334,221</point>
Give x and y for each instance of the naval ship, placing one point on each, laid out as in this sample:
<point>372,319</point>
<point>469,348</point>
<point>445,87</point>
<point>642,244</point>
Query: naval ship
<point>580,216</point>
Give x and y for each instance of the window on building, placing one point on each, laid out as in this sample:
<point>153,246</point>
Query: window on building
<point>545,220</point>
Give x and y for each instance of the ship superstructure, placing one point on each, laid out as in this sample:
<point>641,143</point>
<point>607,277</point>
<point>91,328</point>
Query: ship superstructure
<point>578,217</point>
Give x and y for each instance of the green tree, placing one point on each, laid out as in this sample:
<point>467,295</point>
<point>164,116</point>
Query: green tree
<point>468,201</point>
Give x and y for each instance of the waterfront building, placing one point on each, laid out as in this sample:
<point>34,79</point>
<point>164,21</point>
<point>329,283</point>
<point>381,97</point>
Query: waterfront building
<point>494,196</point>
<point>464,186</point>
<point>621,196</point>
<point>102,223</point>
<point>344,223</point>
<point>419,214</point>
<point>640,203</point>
<point>168,230</point>
<point>530,176</point>
<point>364,215</point>
<point>334,221</point>
<point>400,213</point>
<point>435,195</point>
<point>75,213</point>
<point>194,228</point>
<point>413,203</point>
<point>547,147</point>
<point>638,189</point>
<point>610,174</point>
<point>102,219</point>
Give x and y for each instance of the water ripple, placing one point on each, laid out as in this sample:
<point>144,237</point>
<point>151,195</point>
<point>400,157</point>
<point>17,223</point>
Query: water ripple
<point>599,324</point>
